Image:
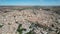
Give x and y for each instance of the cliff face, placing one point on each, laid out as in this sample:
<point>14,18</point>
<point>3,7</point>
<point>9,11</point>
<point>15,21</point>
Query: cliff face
<point>29,21</point>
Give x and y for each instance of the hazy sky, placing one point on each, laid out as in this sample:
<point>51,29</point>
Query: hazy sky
<point>31,2</point>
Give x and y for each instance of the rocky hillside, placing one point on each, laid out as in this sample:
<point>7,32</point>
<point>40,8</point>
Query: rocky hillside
<point>29,21</point>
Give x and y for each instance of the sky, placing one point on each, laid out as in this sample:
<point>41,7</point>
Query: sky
<point>30,2</point>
